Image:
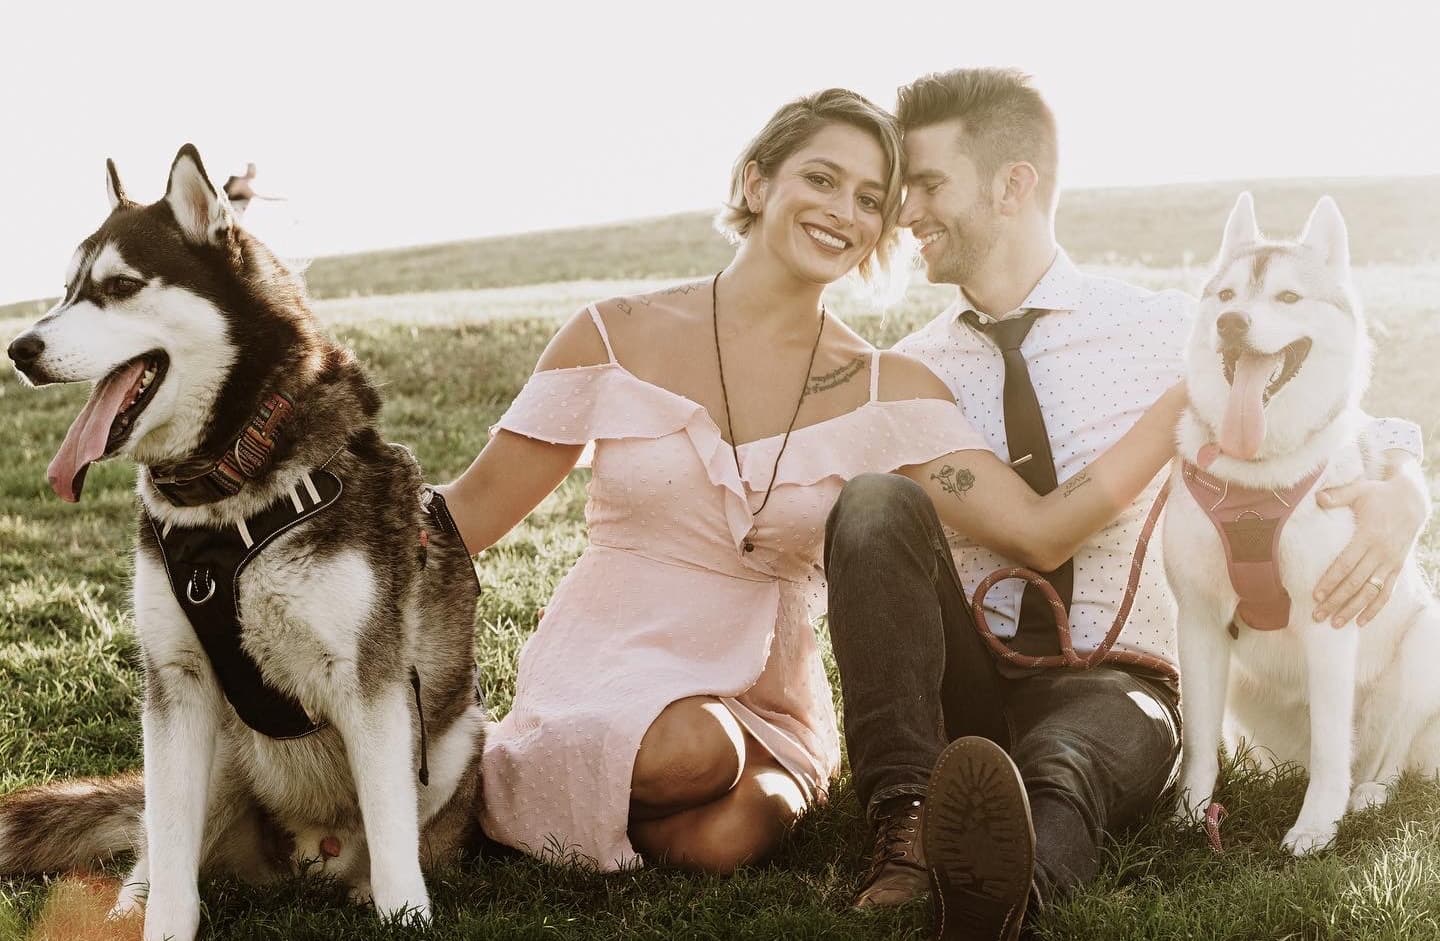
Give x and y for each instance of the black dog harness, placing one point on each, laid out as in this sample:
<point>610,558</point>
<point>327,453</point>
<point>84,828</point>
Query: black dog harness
<point>204,566</point>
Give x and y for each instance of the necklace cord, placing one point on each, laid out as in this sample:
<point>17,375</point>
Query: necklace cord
<point>725,396</point>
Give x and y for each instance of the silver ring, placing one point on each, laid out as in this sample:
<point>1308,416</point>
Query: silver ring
<point>1376,583</point>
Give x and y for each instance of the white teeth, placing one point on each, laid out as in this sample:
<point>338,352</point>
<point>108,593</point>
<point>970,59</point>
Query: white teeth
<point>931,238</point>
<point>148,378</point>
<point>825,238</point>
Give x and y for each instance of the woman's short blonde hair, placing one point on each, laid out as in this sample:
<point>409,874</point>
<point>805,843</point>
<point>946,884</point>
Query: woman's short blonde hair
<point>791,128</point>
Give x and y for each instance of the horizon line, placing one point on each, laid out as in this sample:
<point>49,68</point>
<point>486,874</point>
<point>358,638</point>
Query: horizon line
<point>640,220</point>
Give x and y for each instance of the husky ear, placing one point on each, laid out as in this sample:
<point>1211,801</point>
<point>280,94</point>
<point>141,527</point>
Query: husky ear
<point>202,213</point>
<point>1325,232</point>
<point>1241,228</point>
<point>113,188</point>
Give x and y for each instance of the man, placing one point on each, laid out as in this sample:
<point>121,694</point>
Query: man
<point>1053,366</point>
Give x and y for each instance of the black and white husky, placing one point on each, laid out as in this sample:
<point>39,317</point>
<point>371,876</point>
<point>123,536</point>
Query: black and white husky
<point>1277,364</point>
<point>355,603</point>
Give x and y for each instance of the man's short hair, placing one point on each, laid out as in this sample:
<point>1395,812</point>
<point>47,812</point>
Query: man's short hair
<point>1005,119</point>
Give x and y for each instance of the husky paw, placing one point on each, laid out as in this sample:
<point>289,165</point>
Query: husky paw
<point>1367,795</point>
<point>130,903</point>
<point>1302,841</point>
<point>361,894</point>
<point>415,914</point>
<point>175,922</point>
<point>1188,811</point>
<point>410,905</point>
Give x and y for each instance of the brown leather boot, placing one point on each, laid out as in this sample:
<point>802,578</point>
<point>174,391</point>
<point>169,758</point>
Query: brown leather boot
<point>981,843</point>
<point>897,867</point>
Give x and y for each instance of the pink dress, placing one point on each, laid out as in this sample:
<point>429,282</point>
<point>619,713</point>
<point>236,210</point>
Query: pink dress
<point>664,603</point>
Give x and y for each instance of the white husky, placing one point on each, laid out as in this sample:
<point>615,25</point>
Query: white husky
<point>1277,364</point>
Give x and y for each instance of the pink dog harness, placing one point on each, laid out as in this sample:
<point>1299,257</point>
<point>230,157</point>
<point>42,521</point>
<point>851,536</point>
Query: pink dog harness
<point>1249,522</point>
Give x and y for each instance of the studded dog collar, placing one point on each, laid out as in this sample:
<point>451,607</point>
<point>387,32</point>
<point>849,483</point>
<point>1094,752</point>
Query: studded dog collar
<point>203,480</point>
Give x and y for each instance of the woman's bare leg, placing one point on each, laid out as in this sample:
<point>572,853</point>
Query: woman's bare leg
<point>692,754</point>
<point>743,826</point>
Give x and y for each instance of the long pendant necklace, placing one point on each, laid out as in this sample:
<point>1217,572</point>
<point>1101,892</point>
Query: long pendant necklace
<point>748,544</point>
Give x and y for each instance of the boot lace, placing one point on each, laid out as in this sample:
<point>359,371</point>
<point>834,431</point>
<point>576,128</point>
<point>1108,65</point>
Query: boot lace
<point>895,835</point>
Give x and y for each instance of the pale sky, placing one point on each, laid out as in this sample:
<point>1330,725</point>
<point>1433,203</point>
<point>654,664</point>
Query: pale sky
<point>406,123</point>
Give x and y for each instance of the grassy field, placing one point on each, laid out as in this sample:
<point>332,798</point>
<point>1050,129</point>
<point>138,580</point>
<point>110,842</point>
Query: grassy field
<point>451,331</point>
<point>449,363</point>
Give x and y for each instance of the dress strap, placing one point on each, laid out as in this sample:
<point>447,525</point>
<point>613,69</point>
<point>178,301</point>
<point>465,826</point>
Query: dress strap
<point>604,337</point>
<point>874,375</point>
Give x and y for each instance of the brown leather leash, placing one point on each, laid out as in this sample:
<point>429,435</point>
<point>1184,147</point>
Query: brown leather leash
<point>1067,657</point>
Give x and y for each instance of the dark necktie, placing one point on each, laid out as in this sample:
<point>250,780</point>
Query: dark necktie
<point>1025,434</point>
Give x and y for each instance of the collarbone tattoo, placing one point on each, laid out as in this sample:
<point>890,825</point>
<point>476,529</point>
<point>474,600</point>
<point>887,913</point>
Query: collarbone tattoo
<point>835,377</point>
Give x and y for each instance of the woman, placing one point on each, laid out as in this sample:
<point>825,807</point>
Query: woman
<point>672,700</point>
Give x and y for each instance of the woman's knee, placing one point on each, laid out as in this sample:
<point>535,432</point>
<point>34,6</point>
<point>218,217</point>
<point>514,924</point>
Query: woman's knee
<point>691,754</point>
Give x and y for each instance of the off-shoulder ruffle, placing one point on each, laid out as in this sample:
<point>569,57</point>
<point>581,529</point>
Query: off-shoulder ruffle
<point>589,403</point>
<point>877,436</point>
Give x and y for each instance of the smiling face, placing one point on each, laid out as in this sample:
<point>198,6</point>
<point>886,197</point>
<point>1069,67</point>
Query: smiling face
<point>1279,346</point>
<point>948,207</point>
<point>821,212</point>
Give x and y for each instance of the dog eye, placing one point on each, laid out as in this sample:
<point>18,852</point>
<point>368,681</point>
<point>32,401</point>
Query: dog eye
<point>1287,297</point>
<point>121,287</point>
<point>1227,295</point>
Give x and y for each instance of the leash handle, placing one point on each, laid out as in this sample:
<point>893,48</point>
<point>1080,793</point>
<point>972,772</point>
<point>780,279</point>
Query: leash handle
<point>1215,813</point>
<point>1067,657</point>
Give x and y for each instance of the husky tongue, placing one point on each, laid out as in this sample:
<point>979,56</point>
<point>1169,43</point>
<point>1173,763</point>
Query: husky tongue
<point>1243,429</point>
<point>85,441</point>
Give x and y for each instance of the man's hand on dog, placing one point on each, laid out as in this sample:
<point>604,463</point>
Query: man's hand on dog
<point>1389,515</point>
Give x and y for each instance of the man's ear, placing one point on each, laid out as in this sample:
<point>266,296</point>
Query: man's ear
<point>1241,228</point>
<point>202,213</point>
<point>1019,183</point>
<point>754,187</point>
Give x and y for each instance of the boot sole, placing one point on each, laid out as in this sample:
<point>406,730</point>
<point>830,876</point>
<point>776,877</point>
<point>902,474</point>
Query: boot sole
<point>979,842</point>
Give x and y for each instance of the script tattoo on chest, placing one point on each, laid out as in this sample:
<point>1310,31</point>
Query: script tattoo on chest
<point>835,377</point>
<point>682,289</point>
<point>956,481</point>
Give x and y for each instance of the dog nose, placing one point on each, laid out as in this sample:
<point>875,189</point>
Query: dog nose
<point>26,349</point>
<point>1232,325</point>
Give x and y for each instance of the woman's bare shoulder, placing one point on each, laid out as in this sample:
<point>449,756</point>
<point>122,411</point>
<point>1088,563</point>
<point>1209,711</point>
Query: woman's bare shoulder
<point>644,326</point>
<point>577,343</point>
<point>632,323</point>
<point>905,377</point>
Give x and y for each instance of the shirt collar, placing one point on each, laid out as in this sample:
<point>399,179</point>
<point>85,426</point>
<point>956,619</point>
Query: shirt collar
<point>1058,289</point>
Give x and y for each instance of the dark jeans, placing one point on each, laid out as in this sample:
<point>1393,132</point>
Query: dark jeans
<point>1094,747</point>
